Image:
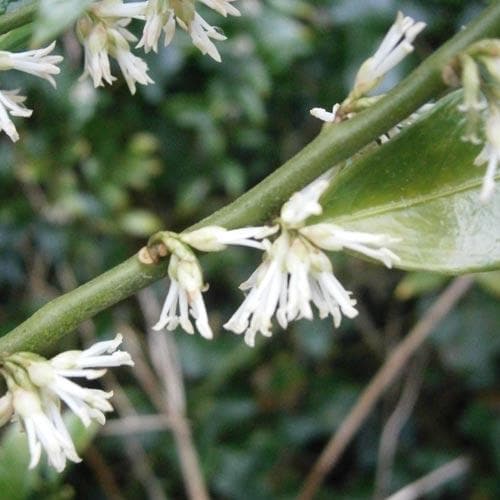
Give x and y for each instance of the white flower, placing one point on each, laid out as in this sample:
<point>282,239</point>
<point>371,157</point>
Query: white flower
<point>184,297</point>
<point>119,10</point>
<point>295,272</point>
<point>134,69</point>
<point>11,103</point>
<point>52,378</point>
<point>83,363</point>
<point>329,236</point>
<point>267,285</point>
<point>324,115</point>
<point>216,238</point>
<point>96,63</point>
<point>87,404</point>
<point>159,17</point>
<point>163,15</point>
<point>37,386</point>
<point>396,45</point>
<point>305,202</point>
<point>490,154</point>
<point>36,62</point>
<point>44,429</point>
<point>223,7</point>
<point>202,34</point>
<point>103,37</point>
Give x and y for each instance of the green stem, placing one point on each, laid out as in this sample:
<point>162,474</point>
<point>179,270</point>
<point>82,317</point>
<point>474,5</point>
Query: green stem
<point>18,17</point>
<point>17,38</point>
<point>258,205</point>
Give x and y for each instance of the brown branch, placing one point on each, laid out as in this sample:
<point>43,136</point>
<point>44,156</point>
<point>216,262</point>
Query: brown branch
<point>382,379</point>
<point>394,425</point>
<point>163,354</point>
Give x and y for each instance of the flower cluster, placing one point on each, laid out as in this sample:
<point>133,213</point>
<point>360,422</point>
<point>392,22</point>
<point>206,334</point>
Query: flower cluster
<point>295,272</point>
<point>104,34</point>
<point>38,62</point>
<point>184,296</point>
<point>37,386</point>
<point>480,78</point>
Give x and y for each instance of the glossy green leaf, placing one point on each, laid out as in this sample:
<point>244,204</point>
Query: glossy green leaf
<point>54,16</point>
<point>418,283</point>
<point>423,188</point>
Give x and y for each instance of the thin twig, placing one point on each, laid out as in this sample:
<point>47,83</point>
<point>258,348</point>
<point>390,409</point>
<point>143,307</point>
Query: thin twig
<point>147,379</point>
<point>382,379</point>
<point>430,482</point>
<point>394,425</point>
<point>164,356</point>
<point>103,473</point>
<point>369,331</point>
<point>136,453</point>
<point>134,424</point>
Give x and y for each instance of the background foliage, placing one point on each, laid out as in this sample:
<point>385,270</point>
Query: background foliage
<point>96,172</point>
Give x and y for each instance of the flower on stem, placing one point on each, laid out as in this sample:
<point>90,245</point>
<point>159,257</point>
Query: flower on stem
<point>159,17</point>
<point>395,46</point>
<point>36,62</point>
<point>44,429</point>
<point>267,289</point>
<point>223,7</point>
<point>324,115</point>
<point>295,272</point>
<point>36,387</point>
<point>11,103</point>
<point>102,31</point>
<point>184,296</point>
<point>164,15</point>
<point>216,238</point>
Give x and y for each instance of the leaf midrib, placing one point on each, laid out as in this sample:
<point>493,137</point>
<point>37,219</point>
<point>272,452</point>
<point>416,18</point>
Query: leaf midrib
<point>419,200</point>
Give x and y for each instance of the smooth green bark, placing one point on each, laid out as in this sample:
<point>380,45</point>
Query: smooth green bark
<point>261,203</point>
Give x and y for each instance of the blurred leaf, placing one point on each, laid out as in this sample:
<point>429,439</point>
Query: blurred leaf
<point>282,38</point>
<point>468,341</point>
<point>423,188</point>
<point>17,482</point>
<point>140,223</point>
<point>54,16</point>
<point>490,282</point>
<point>419,283</point>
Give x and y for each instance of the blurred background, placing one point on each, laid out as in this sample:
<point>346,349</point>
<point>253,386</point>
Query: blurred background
<point>96,172</point>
